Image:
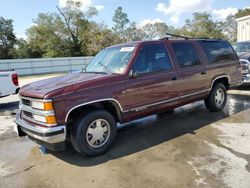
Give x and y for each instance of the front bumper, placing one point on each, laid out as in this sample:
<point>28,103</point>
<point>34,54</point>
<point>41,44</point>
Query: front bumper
<point>52,137</point>
<point>236,84</point>
<point>245,77</point>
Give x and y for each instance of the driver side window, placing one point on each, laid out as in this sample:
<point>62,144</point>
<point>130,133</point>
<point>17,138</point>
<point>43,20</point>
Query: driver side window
<point>152,58</point>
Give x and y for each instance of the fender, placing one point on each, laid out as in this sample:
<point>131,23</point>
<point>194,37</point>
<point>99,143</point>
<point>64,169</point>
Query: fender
<point>216,78</point>
<point>95,101</point>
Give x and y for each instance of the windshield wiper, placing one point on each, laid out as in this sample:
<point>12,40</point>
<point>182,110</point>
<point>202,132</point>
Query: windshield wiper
<point>107,69</point>
<point>84,70</point>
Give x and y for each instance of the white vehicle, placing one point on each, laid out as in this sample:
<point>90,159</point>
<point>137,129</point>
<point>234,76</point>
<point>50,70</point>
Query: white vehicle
<point>8,83</point>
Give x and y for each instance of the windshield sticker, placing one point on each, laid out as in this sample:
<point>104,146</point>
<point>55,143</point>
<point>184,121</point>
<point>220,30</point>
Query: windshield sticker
<point>127,49</point>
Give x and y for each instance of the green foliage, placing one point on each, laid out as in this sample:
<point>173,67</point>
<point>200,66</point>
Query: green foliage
<point>120,20</point>
<point>99,37</point>
<point>61,34</point>
<point>242,13</point>
<point>133,33</point>
<point>72,28</point>
<point>7,39</point>
<point>24,50</point>
<point>70,32</point>
<point>46,36</point>
<point>155,31</point>
<point>201,26</point>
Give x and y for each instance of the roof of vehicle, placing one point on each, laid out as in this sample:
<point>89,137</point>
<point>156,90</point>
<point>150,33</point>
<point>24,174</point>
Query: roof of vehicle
<point>135,43</point>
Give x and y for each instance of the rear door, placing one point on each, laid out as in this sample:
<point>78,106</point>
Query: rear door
<point>191,69</point>
<point>155,81</point>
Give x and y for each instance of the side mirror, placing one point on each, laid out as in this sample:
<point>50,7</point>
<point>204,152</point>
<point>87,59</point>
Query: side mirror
<point>132,74</point>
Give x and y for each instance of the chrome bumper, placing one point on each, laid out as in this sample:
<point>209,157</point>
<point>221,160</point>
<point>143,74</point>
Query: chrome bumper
<point>50,135</point>
<point>236,84</point>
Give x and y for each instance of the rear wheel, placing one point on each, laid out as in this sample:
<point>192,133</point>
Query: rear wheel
<point>217,99</point>
<point>94,133</point>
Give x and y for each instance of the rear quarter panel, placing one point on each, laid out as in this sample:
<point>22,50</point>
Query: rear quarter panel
<point>229,69</point>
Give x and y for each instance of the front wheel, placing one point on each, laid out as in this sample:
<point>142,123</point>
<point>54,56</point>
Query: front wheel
<point>217,99</point>
<point>94,133</point>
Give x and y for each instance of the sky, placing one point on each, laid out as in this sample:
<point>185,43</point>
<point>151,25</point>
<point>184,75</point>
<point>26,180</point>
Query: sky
<point>172,12</point>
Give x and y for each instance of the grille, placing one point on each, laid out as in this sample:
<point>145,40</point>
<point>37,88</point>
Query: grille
<point>26,102</point>
<point>28,114</point>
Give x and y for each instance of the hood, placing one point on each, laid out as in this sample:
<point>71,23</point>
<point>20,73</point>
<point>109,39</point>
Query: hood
<point>244,55</point>
<point>41,88</point>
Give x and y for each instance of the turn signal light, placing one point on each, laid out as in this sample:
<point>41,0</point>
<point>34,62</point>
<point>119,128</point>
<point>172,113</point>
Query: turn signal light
<point>51,120</point>
<point>48,106</point>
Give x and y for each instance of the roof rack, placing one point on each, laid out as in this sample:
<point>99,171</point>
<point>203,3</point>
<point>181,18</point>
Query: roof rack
<point>170,35</point>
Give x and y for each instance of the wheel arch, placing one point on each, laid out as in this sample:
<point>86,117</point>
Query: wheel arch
<point>223,79</point>
<point>111,105</point>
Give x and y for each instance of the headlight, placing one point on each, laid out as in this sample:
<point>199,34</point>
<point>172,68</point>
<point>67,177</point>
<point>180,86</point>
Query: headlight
<point>38,111</point>
<point>42,105</point>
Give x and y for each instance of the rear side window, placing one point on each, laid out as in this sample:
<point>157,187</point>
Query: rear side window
<point>186,54</point>
<point>152,58</point>
<point>218,51</point>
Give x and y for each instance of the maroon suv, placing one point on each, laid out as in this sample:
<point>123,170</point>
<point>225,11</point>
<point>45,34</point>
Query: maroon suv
<point>123,83</point>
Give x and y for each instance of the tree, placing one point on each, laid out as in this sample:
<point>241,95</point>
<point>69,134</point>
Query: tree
<point>61,34</point>
<point>230,28</point>
<point>47,36</point>
<point>155,31</point>
<point>23,50</point>
<point>7,38</point>
<point>121,20</point>
<point>242,12</point>
<point>99,37</point>
<point>133,33</point>
<point>75,23</point>
<point>147,32</point>
<point>201,26</point>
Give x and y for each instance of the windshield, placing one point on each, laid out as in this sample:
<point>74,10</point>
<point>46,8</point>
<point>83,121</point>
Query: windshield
<point>111,60</point>
<point>242,47</point>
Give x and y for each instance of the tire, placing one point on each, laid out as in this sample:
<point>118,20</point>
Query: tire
<point>213,102</point>
<point>93,133</point>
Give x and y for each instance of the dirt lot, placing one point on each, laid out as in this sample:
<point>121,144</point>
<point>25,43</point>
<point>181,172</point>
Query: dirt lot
<point>188,148</point>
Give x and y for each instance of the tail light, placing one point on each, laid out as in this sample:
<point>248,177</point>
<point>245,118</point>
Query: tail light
<point>15,79</point>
